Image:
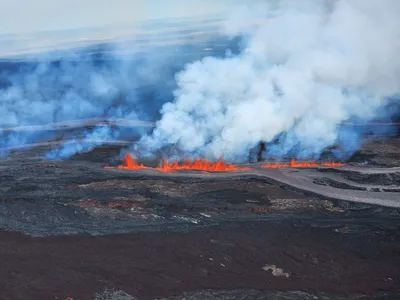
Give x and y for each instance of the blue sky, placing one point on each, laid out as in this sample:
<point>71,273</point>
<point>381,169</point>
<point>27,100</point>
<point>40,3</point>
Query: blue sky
<point>28,27</point>
<point>22,16</point>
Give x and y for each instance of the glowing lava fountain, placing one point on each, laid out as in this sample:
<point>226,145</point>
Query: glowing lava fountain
<point>294,164</point>
<point>131,164</point>
<point>195,165</point>
<point>200,165</point>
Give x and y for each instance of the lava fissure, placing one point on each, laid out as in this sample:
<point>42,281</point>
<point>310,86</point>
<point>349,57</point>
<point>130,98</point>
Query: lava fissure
<point>131,164</point>
<point>200,165</point>
<point>219,166</point>
<point>195,165</point>
<point>294,164</point>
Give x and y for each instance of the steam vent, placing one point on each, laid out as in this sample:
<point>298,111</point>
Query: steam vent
<point>160,150</point>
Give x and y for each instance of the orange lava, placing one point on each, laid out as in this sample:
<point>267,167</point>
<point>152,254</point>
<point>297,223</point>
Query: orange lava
<point>200,165</point>
<point>333,164</point>
<point>294,164</point>
<point>131,164</point>
<point>219,166</point>
<point>196,165</point>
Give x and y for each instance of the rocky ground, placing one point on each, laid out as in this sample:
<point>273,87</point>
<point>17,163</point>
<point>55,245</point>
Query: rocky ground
<point>74,229</point>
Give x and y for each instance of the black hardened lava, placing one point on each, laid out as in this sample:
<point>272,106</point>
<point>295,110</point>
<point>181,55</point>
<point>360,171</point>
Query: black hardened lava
<point>75,229</point>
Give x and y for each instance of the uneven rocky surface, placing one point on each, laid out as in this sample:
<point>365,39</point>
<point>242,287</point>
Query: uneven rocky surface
<point>243,294</point>
<point>75,229</point>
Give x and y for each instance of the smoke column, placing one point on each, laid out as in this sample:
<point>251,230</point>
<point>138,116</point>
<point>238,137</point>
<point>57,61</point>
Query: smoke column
<point>305,67</point>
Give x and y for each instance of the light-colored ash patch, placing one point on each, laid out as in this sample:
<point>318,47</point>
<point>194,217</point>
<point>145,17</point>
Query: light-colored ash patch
<point>276,271</point>
<point>138,198</point>
<point>109,294</point>
<point>116,214</point>
<point>303,204</point>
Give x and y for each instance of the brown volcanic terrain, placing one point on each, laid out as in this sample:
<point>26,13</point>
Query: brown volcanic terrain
<point>310,234</point>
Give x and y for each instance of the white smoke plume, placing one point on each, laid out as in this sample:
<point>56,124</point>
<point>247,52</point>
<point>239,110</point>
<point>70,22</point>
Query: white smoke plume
<point>306,66</point>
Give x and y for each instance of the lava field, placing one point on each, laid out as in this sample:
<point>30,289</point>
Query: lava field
<point>84,227</point>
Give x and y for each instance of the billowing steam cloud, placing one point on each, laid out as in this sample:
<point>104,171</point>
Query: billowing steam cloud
<point>306,66</point>
<point>130,80</point>
<point>72,88</point>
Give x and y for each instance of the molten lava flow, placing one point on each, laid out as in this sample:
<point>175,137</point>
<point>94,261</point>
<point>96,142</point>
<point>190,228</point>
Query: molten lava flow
<point>276,166</point>
<point>200,165</point>
<point>294,164</point>
<point>131,164</point>
<point>219,166</point>
<point>328,164</point>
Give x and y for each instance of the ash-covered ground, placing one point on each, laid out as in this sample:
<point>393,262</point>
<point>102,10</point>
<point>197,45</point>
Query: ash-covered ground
<point>72,228</point>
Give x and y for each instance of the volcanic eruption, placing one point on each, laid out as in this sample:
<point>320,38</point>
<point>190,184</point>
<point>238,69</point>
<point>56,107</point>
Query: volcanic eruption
<point>305,68</point>
<point>195,165</point>
<point>298,72</point>
<point>294,164</point>
<point>219,166</point>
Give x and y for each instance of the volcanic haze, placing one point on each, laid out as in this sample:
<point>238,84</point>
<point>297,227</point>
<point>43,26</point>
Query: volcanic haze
<point>305,67</point>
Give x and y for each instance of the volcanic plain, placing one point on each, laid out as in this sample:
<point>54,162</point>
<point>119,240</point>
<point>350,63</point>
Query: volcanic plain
<point>74,228</point>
